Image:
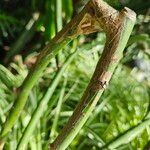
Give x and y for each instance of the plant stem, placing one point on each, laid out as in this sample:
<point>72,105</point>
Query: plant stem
<point>129,135</point>
<point>58,110</point>
<point>95,16</point>
<point>68,33</point>
<point>97,110</point>
<point>58,15</point>
<point>43,104</point>
<point>118,27</point>
<point>58,22</point>
<point>29,83</point>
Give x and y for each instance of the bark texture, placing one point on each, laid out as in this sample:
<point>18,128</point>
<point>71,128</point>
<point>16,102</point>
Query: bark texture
<point>99,16</point>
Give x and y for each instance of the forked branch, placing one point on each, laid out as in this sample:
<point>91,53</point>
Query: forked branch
<point>96,16</point>
<point>118,27</point>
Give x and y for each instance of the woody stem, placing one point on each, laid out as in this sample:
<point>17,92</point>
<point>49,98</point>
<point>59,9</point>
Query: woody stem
<point>95,16</point>
<point>118,27</point>
<point>67,34</point>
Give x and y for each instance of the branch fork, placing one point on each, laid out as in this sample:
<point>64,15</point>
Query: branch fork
<point>96,16</point>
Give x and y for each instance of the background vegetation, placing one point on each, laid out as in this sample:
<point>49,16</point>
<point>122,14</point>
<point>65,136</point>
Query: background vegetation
<point>120,121</point>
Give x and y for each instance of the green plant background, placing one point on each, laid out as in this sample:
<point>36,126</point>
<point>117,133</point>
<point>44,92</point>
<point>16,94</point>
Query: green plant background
<point>25,27</point>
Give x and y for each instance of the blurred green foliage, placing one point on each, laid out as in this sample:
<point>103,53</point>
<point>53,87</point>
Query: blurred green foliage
<point>25,27</point>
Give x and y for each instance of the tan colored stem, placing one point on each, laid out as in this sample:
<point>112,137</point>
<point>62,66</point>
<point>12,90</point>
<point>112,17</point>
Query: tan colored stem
<point>96,16</point>
<point>99,16</point>
<point>88,21</point>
